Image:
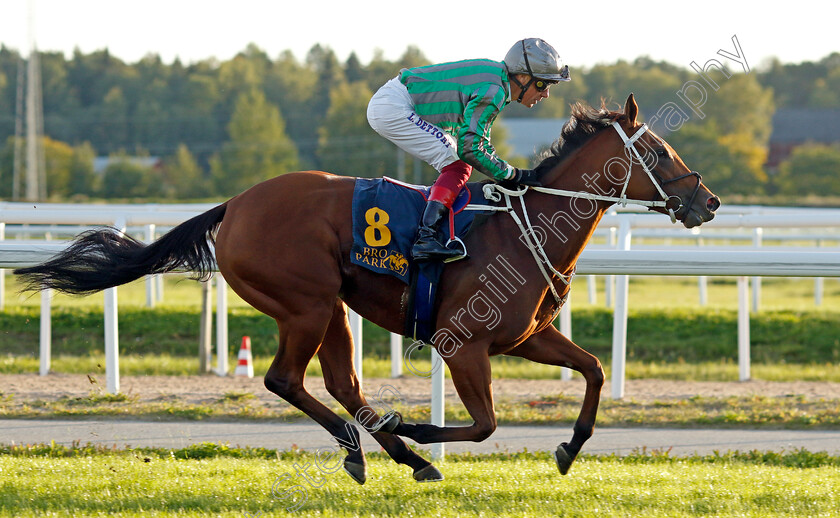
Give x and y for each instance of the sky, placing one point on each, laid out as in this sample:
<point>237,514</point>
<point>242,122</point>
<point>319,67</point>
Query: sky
<point>584,33</point>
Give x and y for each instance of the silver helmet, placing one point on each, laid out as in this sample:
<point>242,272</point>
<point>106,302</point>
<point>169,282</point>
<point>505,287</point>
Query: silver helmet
<point>535,57</point>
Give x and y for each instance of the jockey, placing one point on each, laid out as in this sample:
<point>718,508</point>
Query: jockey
<point>442,114</point>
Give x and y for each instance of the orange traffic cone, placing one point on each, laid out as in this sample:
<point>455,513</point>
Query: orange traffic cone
<point>245,366</point>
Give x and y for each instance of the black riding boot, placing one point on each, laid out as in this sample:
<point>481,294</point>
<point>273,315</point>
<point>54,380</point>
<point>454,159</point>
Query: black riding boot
<point>428,247</point>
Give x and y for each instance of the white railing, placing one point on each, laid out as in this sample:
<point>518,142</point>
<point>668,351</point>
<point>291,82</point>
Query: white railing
<point>622,262</point>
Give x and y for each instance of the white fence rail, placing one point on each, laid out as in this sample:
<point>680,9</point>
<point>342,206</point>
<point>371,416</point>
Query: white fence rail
<point>719,262</point>
<point>696,261</point>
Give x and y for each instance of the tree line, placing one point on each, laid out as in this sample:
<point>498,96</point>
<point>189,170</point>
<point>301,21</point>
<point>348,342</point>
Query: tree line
<point>219,127</point>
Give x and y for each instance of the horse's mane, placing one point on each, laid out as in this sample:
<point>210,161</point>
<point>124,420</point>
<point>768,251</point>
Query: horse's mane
<point>584,122</point>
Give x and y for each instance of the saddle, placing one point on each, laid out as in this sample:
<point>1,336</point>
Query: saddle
<point>386,214</point>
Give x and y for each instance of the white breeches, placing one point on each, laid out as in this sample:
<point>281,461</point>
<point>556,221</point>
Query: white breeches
<point>391,114</point>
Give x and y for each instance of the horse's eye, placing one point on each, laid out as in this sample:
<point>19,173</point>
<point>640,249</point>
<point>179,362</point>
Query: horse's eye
<point>662,152</point>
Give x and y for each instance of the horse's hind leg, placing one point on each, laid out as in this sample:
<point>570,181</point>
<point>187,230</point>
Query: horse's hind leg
<point>550,347</point>
<point>470,369</point>
<point>301,335</point>
<point>336,357</point>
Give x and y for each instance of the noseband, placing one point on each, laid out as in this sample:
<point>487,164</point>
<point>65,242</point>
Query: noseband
<point>673,204</point>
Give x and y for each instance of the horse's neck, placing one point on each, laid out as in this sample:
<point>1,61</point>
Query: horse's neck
<point>569,222</point>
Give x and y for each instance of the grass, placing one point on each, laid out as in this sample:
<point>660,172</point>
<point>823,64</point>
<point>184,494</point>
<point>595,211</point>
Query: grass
<point>213,480</point>
<point>503,367</point>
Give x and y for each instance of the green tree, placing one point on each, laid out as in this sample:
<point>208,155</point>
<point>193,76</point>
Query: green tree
<point>59,103</point>
<point>111,128</point>
<point>346,142</point>
<point>7,158</point>
<point>290,85</point>
<point>826,92</point>
<point>811,169</point>
<point>798,85</point>
<point>741,106</point>
<point>126,177</point>
<point>4,105</point>
<point>183,177</point>
<point>353,69</point>
<point>60,167</point>
<point>83,180</point>
<point>730,164</point>
<point>380,70</point>
<point>58,158</point>
<point>192,111</point>
<point>258,148</point>
<point>653,83</point>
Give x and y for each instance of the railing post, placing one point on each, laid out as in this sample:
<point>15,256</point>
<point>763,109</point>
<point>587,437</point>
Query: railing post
<point>819,288</point>
<point>205,343</point>
<point>566,330</point>
<point>396,355</point>
<point>702,283</point>
<point>112,342</point>
<point>819,284</point>
<point>112,348</point>
<point>743,329</point>
<point>2,271</point>
<point>150,280</point>
<point>356,330</point>
<point>609,280</point>
<point>438,401</point>
<point>158,288</point>
<point>619,349</point>
<point>222,337</point>
<point>756,288</point>
<point>45,355</point>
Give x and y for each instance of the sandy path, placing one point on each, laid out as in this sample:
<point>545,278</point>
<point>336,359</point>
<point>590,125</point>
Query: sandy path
<point>25,387</point>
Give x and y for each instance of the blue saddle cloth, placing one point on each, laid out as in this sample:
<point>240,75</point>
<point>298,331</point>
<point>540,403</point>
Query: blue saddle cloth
<point>386,214</point>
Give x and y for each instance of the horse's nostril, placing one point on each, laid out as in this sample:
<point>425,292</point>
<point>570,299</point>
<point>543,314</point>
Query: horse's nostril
<point>713,204</point>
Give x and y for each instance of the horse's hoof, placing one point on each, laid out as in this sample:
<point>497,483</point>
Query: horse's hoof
<point>390,422</point>
<point>428,474</point>
<point>563,459</point>
<point>357,472</point>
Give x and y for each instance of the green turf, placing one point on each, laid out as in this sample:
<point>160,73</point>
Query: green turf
<point>209,480</point>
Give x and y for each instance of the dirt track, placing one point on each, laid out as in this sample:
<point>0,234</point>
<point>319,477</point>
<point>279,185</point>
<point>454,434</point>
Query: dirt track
<point>26,387</point>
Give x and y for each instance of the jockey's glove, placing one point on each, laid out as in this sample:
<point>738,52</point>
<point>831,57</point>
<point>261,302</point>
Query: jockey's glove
<point>522,177</point>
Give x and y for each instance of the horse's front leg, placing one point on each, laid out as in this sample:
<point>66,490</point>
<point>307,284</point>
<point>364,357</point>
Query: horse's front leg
<point>470,370</point>
<point>550,347</point>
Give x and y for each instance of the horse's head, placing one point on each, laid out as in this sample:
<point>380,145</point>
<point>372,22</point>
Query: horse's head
<point>625,162</point>
<point>658,173</point>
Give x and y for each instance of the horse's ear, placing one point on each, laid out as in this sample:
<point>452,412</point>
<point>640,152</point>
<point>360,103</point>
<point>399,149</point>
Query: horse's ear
<point>631,109</point>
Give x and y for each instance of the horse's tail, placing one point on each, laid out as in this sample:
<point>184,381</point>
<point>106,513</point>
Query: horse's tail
<point>105,258</point>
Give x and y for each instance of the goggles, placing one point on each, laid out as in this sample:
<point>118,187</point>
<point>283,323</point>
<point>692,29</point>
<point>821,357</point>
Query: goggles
<point>542,84</point>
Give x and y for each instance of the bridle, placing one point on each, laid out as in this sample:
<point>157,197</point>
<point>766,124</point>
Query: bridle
<point>672,203</point>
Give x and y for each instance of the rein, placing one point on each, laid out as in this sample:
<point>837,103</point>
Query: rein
<point>495,192</point>
<point>528,233</point>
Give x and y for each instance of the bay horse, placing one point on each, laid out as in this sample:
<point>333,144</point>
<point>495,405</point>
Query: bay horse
<point>283,245</point>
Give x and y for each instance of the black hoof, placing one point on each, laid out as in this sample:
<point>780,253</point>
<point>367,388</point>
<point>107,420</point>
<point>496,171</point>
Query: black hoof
<point>357,472</point>
<point>388,423</point>
<point>563,458</point>
<point>428,474</point>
